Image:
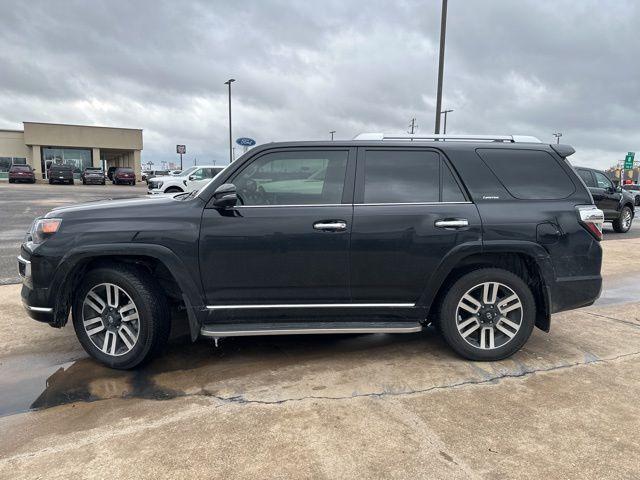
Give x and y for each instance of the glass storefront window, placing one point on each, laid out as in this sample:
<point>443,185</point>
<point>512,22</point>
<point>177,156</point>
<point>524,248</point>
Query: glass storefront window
<point>5,164</point>
<point>78,158</point>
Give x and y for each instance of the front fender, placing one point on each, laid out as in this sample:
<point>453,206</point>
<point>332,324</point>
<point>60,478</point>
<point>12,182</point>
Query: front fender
<point>71,263</point>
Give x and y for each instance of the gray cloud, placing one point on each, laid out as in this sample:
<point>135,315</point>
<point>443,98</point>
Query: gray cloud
<point>304,68</point>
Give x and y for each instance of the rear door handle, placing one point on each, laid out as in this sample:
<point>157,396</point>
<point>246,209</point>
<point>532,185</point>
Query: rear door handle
<point>452,223</point>
<point>331,225</point>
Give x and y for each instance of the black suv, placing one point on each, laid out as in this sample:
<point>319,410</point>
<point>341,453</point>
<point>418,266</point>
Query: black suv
<point>484,237</point>
<point>60,174</point>
<point>617,204</point>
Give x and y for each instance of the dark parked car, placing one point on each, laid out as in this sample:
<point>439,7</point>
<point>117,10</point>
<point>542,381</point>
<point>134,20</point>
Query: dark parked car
<point>616,203</point>
<point>124,175</point>
<point>21,173</point>
<point>93,175</point>
<point>482,236</point>
<point>633,189</point>
<point>60,174</point>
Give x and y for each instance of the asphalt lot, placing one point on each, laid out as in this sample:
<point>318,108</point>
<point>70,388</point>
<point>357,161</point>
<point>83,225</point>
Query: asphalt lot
<point>358,406</point>
<point>21,203</point>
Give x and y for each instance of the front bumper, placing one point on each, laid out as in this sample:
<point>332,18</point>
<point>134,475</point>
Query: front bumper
<point>154,191</point>
<point>34,300</point>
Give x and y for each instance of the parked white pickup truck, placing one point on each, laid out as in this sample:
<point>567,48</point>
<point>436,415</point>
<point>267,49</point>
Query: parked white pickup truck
<point>193,178</point>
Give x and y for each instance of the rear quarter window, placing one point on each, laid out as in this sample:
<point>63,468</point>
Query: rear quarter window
<point>528,174</point>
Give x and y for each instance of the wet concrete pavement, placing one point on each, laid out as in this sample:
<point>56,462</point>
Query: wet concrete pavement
<point>358,406</point>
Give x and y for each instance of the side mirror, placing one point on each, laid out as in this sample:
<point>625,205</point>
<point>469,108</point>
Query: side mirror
<point>225,196</point>
<point>192,177</point>
<point>618,189</point>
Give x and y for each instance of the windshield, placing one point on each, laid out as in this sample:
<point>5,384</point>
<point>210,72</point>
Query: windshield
<point>20,168</point>
<point>186,172</point>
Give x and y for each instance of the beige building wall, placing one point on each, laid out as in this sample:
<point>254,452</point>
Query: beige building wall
<point>83,136</point>
<point>12,145</point>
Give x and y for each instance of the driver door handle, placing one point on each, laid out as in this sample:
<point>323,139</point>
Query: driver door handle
<point>452,223</point>
<point>330,225</point>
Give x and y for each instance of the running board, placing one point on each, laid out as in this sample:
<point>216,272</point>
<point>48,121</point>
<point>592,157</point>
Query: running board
<point>307,328</point>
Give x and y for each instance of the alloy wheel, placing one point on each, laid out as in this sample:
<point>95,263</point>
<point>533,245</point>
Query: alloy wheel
<point>110,319</point>
<point>489,315</point>
<point>626,219</point>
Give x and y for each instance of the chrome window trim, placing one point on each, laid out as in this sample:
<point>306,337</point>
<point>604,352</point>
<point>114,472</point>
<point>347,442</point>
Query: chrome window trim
<point>410,203</point>
<point>352,204</point>
<point>312,305</point>
<point>297,205</point>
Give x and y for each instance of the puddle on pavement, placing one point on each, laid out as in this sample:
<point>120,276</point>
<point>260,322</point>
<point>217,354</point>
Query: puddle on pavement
<point>37,382</point>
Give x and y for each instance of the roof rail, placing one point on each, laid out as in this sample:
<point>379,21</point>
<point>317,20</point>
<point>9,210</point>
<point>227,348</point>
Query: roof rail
<point>476,138</point>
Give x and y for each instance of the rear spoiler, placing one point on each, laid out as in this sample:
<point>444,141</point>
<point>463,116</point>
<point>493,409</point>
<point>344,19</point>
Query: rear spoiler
<point>563,150</point>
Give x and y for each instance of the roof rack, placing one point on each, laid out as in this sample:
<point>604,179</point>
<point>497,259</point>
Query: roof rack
<point>475,138</point>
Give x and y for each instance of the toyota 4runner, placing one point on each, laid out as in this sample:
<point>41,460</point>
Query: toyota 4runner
<point>482,236</point>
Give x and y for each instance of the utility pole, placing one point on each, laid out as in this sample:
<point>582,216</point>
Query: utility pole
<point>228,83</point>
<point>412,126</point>
<point>443,33</point>
<point>557,135</point>
<point>332,132</point>
<point>445,119</point>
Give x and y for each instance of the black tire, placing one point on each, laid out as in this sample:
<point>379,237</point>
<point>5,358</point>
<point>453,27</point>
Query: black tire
<point>50,182</point>
<point>447,321</point>
<point>621,225</point>
<point>84,182</point>
<point>133,184</point>
<point>71,182</point>
<point>637,201</point>
<point>173,190</point>
<point>153,313</point>
<point>11,180</point>
<point>104,183</point>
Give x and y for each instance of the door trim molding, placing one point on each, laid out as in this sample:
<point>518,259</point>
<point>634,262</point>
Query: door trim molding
<point>312,305</point>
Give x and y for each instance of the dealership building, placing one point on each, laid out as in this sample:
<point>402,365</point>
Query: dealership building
<point>41,144</point>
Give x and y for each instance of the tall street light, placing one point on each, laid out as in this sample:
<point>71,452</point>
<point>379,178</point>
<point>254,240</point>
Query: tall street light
<point>228,83</point>
<point>557,135</point>
<point>332,132</point>
<point>443,32</point>
<point>445,119</point>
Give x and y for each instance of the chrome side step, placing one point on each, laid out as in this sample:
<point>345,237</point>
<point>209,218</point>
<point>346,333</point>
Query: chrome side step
<point>307,328</point>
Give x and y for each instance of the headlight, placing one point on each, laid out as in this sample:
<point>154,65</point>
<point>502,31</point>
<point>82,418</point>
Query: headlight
<point>43,228</point>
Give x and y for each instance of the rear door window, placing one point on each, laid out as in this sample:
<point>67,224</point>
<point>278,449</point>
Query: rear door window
<point>407,176</point>
<point>587,177</point>
<point>528,174</point>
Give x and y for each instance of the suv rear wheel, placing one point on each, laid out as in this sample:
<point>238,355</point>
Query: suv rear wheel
<point>120,316</point>
<point>623,223</point>
<point>487,314</point>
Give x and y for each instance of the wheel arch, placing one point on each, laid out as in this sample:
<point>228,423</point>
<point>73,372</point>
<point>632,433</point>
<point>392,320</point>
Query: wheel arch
<point>528,260</point>
<point>170,272</point>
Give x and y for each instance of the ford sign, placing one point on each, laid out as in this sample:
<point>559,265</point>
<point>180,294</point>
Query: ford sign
<point>246,142</point>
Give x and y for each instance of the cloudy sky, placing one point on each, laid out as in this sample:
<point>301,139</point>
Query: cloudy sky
<point>304,68</point>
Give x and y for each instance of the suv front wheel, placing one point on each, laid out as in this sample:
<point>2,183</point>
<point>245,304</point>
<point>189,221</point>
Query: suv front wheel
<point>487,314</point>
<point>120,316</point>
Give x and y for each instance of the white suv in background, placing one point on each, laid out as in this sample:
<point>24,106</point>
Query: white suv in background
<point>193,178</point>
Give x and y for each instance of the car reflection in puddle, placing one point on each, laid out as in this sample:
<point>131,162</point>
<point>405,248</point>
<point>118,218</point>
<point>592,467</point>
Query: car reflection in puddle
<point>188,369</point>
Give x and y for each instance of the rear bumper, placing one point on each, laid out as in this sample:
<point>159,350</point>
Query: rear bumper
<point>575,292</point>
<point>95,180</point>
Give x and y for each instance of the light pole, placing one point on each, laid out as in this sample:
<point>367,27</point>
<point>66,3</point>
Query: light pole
<point>332,132</point>
<point>557,135</point>
<point>443,32</point>
<point>445,119</point>
<point>228,83</point>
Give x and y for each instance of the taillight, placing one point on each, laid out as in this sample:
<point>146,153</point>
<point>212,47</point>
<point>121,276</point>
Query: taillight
<point>591,218</point>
